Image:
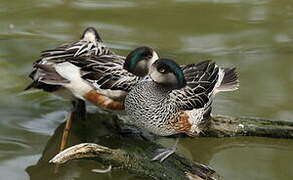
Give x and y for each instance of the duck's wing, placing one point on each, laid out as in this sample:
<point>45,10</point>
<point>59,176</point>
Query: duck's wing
<point>90,44</point>
<point>81,48</point>
<point>76,49</point>
<point>107,72</point>
<point>201,80</point>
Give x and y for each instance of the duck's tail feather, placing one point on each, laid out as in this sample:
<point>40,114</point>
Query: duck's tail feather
<point>230,80</point>
<point>49,75</point>
<point>43,86</point>
<point>31,85</point>
<point>46,78</point>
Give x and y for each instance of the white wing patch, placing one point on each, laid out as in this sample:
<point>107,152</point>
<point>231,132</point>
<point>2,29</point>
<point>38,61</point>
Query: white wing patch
<point>78,86</point>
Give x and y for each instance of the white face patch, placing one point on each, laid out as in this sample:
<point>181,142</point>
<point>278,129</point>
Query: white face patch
<point>141,65</point>
<point>152,60</point>
<point>158,77</point>
<point>155,75</point>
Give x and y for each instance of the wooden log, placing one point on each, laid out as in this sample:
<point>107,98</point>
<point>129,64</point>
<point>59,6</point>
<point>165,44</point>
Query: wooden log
<point>134,153</point>
<point>138,162</point>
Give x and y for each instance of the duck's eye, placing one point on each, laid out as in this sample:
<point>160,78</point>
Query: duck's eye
<point>162,70</point>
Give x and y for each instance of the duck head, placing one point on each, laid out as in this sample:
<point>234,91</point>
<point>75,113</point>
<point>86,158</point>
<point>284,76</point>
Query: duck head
<point>139,61</point>
<point>168,73</point>
<point>90,34</point>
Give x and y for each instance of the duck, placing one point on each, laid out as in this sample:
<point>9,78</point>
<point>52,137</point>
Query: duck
<point>45,74</point>
<point>173,99</point>
<point>177,100</point>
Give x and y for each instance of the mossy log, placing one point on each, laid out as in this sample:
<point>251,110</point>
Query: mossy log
<point>227,126</point>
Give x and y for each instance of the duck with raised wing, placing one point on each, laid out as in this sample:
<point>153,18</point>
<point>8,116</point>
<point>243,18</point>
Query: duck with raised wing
<point>177,99</point>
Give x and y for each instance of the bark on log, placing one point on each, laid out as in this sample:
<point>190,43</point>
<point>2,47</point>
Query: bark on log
<point>221,126</point>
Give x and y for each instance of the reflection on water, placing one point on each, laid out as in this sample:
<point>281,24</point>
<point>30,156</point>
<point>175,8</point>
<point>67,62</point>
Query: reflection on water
<point>253,35</point>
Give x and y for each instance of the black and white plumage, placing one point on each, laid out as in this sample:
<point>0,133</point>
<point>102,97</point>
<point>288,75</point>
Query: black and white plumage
<point>201,79</point>
<point>89,44</point>
<point>108,73</point>
<point>43,74</point>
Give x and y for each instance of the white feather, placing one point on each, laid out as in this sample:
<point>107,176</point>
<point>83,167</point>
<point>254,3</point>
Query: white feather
<point>220,79</point>
<point>195,117</point>
<point>78,86</point>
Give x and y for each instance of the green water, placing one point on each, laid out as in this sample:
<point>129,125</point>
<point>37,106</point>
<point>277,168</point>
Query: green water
<point>254,35</point>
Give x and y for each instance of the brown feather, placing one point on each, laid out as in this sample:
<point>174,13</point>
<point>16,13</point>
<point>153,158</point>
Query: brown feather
<point>103,101</point>
<point>181,124</point>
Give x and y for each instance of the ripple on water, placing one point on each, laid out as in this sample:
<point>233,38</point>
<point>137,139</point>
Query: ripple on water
<point>15,168</point>
<point>248,159</point>
<point>113,30</point>
<point>252,2</point>
<point>222,44</point>
<point>108,27</point>
<point>90,4</point>
<point>10,145</point>
<point>44,125</point>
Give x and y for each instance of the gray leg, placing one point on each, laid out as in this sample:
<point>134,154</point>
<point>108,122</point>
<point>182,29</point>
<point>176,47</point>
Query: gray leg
<point>165,152</point>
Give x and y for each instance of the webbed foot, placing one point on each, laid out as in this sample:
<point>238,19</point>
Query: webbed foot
<point>164,153</point>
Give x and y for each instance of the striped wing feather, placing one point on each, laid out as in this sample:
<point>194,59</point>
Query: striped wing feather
<point>201,79</point>
<point>76,49</point>
<point>108,73</point>
<point>67,52</point>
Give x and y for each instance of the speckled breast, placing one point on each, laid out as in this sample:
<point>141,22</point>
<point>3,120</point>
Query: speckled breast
<point>148,108</point>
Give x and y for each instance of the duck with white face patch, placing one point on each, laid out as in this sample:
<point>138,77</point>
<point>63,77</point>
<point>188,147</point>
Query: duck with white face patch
<point>177,99</point>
